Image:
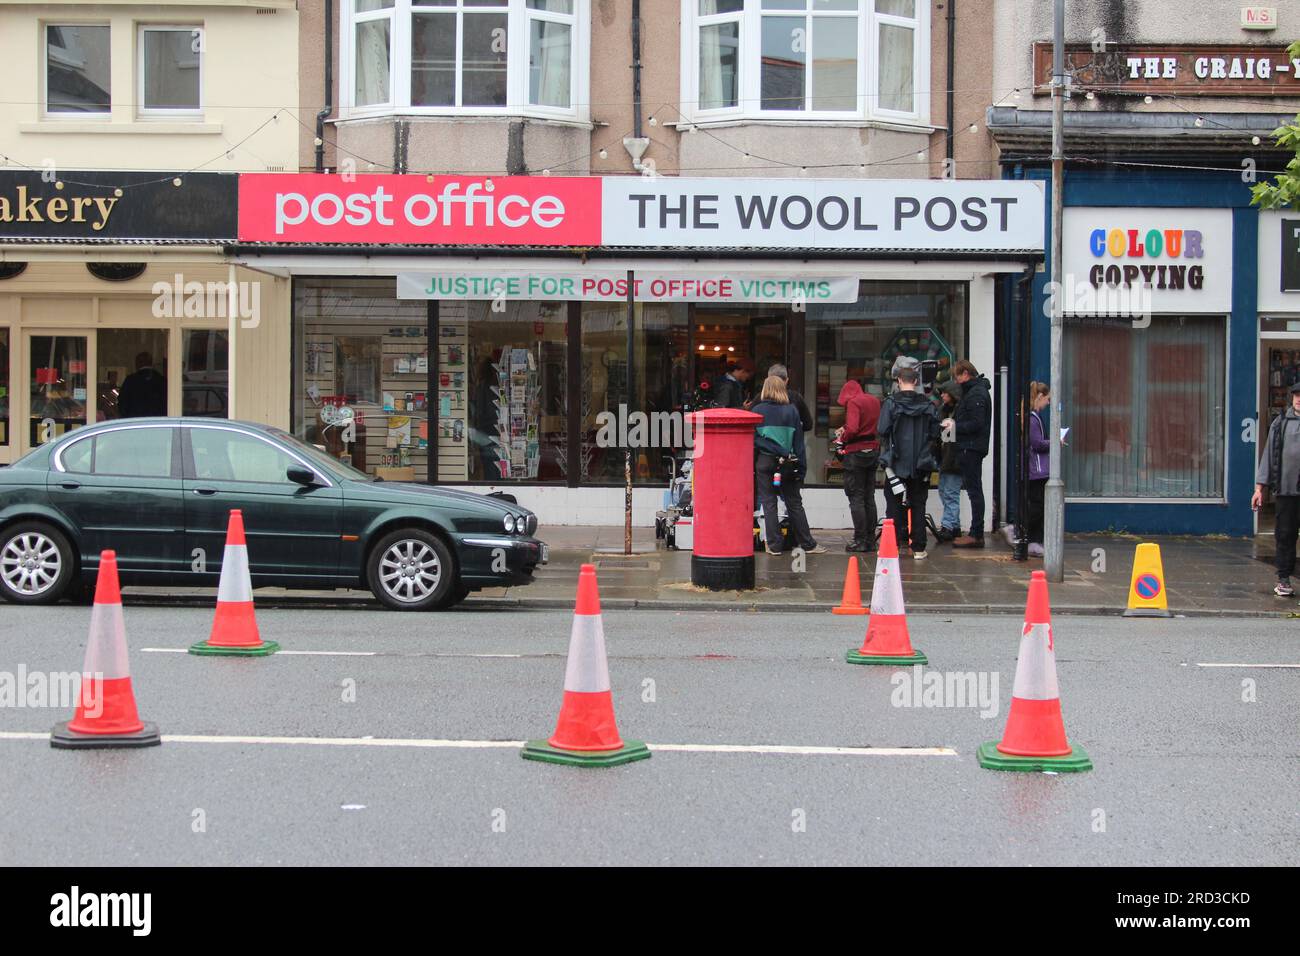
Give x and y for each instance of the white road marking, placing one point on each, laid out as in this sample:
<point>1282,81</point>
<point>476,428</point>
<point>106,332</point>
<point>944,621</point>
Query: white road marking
<point>792,750</point>
<point>1278,666</point>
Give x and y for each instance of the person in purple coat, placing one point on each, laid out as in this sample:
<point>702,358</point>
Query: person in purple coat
<point>1039,397</point>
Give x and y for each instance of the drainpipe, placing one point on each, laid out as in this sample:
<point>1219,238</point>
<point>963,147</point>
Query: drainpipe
<point>952,47</point>
<point>324,113</point>
<point>636,144</point>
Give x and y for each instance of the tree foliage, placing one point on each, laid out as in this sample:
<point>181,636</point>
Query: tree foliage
<point>1284,192</point>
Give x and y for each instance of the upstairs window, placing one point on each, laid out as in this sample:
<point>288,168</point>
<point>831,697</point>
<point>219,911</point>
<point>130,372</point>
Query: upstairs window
<point>77,69</point>
<point>467,56</point>
<point>819,59</point>
<point>171,69</point>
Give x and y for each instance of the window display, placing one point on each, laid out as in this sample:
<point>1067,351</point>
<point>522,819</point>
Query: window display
<point>362,376</point>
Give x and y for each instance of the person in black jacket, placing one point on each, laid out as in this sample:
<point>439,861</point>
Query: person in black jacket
<point>144,391</point>
<point>970,427</point>
<point>907,428</point>
<point>731,389</point>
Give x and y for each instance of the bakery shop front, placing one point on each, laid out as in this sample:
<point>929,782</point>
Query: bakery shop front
<point>497,331</point>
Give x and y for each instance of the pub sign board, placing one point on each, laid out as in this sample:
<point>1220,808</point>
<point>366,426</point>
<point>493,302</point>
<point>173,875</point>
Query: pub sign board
<point>1174,69</point>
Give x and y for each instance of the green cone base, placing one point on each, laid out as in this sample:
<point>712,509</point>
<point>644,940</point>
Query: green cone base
<point>854,656</point>
<point>261,650</point>
<point>62,738</point>
<point>630,751</point>
<point>1147,612</point>
<point>990,758</point>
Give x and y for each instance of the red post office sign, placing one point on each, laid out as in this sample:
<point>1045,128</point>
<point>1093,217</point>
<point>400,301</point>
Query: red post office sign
<point>439,210</point>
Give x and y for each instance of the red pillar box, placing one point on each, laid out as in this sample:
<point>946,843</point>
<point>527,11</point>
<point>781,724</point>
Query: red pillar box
<point>723,498</point>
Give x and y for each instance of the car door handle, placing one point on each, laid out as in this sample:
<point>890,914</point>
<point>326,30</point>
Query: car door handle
<point>205,491</point>
<point>70,485</point>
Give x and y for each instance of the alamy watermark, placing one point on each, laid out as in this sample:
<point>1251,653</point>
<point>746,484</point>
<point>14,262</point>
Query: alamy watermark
<point>61,689</point>
<point>179,299</point>
<point>946,689</point>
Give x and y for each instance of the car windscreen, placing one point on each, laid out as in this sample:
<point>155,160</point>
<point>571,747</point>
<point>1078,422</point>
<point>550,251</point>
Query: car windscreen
<point>328,463</point>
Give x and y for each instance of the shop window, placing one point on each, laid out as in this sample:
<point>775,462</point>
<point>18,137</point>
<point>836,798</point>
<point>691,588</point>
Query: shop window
<point>361,389</point>
<point>661,390</point>
<point>77,69</point>
<point>458,56</point>
<point>1145,408</point>
<point>833,59</point>
<point>131,373</point>
<point>502,391</point>
<point>58,386</point>
<point>205,386</point>
<point>923,320</point>
<point>171,69</point>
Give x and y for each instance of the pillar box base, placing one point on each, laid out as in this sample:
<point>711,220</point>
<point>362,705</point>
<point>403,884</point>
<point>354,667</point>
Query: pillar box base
<point>723,574</point>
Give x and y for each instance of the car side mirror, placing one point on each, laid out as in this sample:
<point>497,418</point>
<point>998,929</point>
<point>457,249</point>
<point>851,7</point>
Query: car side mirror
<point>300,475</point>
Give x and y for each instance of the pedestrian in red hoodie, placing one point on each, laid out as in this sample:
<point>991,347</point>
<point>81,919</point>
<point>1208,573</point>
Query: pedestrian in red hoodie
<point>861,449</point>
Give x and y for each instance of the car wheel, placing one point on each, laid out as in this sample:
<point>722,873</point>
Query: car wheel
<point>411,570</point>
<point>36,563</point>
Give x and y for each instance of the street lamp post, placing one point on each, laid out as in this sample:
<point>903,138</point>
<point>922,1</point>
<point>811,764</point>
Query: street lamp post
<point>1054,496</point>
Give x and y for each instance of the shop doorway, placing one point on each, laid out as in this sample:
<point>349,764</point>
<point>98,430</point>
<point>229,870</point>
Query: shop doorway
<point>1279,360</point>
<point>724,335</point>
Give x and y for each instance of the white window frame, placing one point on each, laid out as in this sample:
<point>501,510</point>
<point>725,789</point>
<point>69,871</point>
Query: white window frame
<point>519,18</point>
<point>155,113</point>
<point>72,115</point>
<point>749,69</point>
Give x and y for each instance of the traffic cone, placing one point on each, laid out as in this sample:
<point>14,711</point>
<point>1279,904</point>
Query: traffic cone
<point>887,640</point>
<point>1034,738</point>
<point>1146,588</point>
<point>105,715</point>
<point>851,596</point>
<point>234,629</point>
<point>586,734</point>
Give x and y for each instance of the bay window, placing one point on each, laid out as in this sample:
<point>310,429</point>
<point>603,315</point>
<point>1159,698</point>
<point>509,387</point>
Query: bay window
<point>819,59</point>
<point>467,56</point>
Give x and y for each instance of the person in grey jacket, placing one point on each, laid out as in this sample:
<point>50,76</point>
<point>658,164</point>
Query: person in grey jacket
<point>907,429</point>
<point>1279,471</point>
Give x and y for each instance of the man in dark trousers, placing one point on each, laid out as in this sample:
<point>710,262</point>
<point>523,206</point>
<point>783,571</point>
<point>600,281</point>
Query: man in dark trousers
<point>970,427</point>
<point>144,391</point>
<point>731,390</point>
<point>908,426</point>
<point>861,450</point>
<point>1279,471</point>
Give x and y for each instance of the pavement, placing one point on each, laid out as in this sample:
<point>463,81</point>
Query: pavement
<point>1208,576</point>
<point>394,740</point>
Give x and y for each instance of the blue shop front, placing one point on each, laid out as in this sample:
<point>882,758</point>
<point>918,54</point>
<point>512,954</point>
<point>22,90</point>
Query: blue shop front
<point>1164,374</point>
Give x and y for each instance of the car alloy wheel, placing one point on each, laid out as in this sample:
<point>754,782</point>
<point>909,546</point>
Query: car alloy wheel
<point>409,571</point>
<point>31,563</point>
<point>35,564</point>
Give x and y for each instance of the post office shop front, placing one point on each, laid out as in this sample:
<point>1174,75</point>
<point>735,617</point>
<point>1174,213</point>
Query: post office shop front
<point>473,357</point>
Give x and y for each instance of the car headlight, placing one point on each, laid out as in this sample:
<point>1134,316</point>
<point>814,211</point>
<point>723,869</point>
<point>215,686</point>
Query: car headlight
<point>510,524</point>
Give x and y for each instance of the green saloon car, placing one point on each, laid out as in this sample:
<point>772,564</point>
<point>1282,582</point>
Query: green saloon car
<point>159,492</point>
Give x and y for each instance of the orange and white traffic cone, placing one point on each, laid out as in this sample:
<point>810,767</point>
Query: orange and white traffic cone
<point>234,629</point>
<point>1034,738</point>
<point>887,640</point>
<point>106,715</point>
<point>586,734</point>
<point>851,596</point>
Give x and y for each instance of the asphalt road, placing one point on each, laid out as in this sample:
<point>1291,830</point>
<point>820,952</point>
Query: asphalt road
<point>1186,772</point>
